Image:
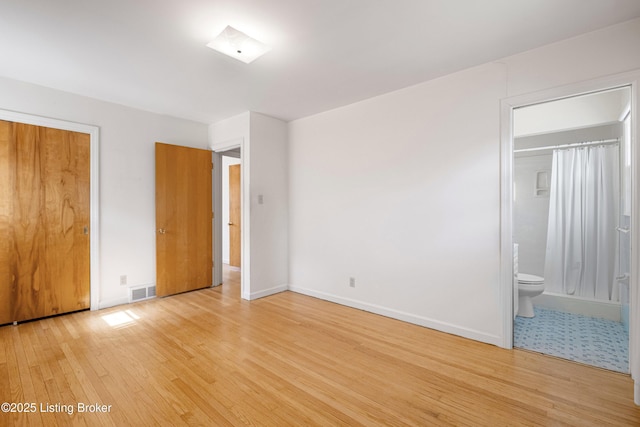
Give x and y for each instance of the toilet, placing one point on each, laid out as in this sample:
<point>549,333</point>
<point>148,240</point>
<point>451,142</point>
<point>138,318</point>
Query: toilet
<point>529,286</point>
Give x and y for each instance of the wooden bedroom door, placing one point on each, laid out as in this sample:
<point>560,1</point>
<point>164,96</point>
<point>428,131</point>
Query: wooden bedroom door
<point>184,216</point>
<point>44,214</point>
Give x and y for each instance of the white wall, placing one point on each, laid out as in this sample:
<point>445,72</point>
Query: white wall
<point>401,191</point>
<point>593,55</point>
<point>530,213</point>
<point>127,175</point>
<point>226,162</point>
<point>269,218</point>
<point>229,133</point>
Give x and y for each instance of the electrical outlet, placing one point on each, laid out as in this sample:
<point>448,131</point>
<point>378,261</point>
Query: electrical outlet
<point>352,282</point>
<point>123,280</point>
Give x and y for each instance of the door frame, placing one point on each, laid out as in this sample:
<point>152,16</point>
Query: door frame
<point>94,199</point>
<point>245,201</point>
<point>630,79</point>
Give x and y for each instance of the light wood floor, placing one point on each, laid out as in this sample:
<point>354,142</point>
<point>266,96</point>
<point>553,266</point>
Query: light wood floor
<point>209,358</point>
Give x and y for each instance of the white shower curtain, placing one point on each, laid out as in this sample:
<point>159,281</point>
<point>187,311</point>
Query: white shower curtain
<point>583,216</point>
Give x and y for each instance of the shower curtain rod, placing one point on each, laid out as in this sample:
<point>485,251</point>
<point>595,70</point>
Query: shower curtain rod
<point>577,144</point>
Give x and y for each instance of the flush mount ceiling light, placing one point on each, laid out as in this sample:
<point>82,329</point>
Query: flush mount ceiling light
<point>238,45</point>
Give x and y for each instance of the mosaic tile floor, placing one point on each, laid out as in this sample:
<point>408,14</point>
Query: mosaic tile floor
<point>583,339</point>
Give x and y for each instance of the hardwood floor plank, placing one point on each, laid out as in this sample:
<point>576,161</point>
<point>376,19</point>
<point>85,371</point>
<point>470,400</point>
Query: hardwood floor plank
<point>209,358</point>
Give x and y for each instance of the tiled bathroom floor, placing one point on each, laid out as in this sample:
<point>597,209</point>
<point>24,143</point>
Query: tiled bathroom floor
<point>597,342</point>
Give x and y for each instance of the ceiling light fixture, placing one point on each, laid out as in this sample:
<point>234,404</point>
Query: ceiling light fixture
<point>238,45</point>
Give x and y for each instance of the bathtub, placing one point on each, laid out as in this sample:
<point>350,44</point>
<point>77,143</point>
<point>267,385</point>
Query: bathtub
<point>585,306</point>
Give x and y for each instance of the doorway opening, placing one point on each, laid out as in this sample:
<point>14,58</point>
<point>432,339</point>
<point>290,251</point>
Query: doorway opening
<point>571,220</point>
<point>231,190</point>
<point>507,278</point>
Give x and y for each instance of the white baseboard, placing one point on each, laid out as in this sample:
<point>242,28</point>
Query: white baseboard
<point>254,295</point>
<point>405,317</point>
<point>267,292</point>
<point>113,302</point>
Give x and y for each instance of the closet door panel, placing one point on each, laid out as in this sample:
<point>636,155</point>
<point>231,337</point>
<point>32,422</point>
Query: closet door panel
<point>5,222</point>
<point>50,254</point>
<point>28,251</point>
<point>66,220</point>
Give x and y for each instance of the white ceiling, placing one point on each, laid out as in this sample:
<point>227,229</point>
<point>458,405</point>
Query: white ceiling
<point>151,54</point>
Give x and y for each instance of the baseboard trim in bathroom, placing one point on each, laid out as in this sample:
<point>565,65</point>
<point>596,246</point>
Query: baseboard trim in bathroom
<point>593,341</point>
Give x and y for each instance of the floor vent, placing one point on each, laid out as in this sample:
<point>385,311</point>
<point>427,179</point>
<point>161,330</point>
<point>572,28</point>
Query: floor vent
<point>141,293</point>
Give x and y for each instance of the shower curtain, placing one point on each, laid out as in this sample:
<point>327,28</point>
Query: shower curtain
<point>583,216</point>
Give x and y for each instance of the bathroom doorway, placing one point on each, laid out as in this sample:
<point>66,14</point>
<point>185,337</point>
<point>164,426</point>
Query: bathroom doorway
<point>571,217</point>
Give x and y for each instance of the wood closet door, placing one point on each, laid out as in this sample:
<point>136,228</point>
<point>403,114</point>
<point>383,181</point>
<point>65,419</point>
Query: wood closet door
<point>48,199</point>
<point>183,219</point>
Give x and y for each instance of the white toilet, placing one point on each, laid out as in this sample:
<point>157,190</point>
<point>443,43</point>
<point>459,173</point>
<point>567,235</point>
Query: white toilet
<point>529,286</point>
